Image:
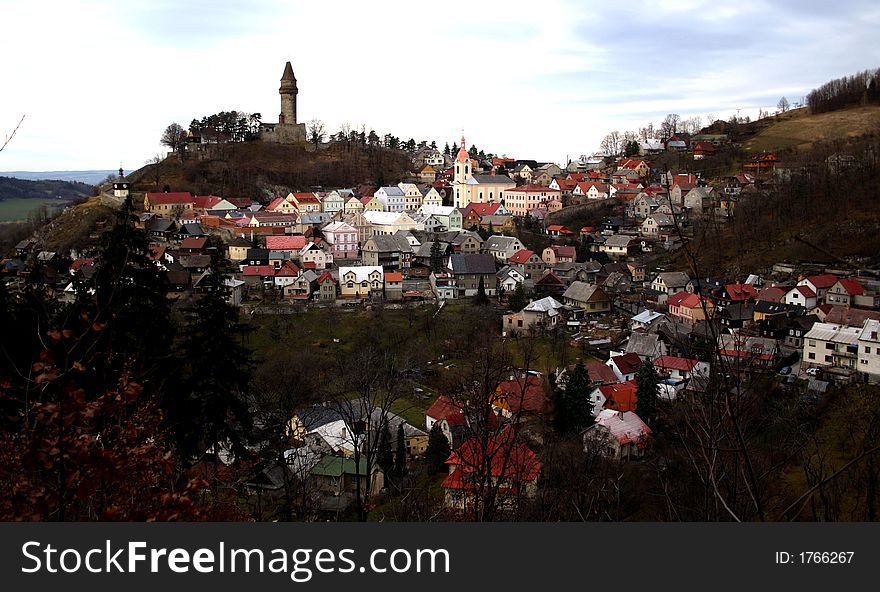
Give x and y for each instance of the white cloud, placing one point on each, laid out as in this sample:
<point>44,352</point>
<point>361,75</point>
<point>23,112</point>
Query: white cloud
<point>99,80</point>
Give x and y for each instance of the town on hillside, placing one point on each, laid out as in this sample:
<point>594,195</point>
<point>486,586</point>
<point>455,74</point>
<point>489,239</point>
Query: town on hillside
<point>652,367</point>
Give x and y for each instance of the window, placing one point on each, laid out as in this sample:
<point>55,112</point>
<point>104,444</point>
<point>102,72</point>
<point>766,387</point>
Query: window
<point>828,359</point>
<point>811,355</point>
<point>867,350</point>
<point>812,343</point>
<point>829,346</point>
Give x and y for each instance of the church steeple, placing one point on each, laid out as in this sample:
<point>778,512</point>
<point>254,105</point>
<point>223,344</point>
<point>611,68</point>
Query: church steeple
<point>462,155</point>
<point>288,93</point>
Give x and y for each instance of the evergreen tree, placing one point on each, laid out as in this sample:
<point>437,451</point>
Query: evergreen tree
<point>518,300</point>
<point>438,449</point>
<point>434,144</point>
<point>481,299</point>
<point>454,150</point>
<point>491,229</point>
<point>446,149</point>
<point>384,456</point>
<point>647,381</point>
<point>574,409</point>
<point>211,407</point>
<point>400,456</point>
<point>473,152</point>
<point>436,256</point>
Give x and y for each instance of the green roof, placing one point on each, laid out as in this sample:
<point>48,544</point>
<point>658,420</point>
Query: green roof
<point>335,466</point>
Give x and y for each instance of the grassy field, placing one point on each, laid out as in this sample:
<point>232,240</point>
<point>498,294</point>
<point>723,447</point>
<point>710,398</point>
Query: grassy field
<point>800,129</point>
<point>17,210</point>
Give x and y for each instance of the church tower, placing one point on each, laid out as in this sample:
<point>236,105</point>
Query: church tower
<point>288,93</point>
<point>461,175</point>
<point>120,186</point>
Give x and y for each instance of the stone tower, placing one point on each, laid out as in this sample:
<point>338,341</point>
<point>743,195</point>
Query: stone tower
<point>120,186</point>
<point>288,93</point>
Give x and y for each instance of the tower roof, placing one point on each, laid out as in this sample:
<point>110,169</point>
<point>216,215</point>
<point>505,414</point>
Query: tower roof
<point>288,72</point>
<point>462,155</point>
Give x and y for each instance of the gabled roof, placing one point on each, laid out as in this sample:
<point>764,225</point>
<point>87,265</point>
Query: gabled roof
<point>738,292</point>
<point>393,276</point>
<point>546,304</point>
<point>825,280</point>
<point>521,256</point>
<point>361,273</point>
<point>675,363</point>
<point>621,396</point>
<point>851,286</point>
<point>600,373</point>
<point>391,191</point>
<point>674,279</point>
<point>472,263</point>
<point>524,394</point>
<point>170,198</point>
<point>505,455</point>
<point>625,427</point>
<point>258,271</point>
<point>445,408</point>
<point>490,180</point>
<point>583,292</point>
<point>627,363</point>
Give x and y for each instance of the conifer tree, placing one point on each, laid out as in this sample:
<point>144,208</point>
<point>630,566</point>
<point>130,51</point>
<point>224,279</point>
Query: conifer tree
<point>384,456</point>
<point>518,299</point>
<point>438,449</point>
<point>400,455</point>
<point>481,299</point>
<point>436,256</point>
<point>647,381</point>
<point>573,407</point>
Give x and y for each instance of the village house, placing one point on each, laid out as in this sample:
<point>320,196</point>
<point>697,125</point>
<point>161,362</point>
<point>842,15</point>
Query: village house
<point>869,351</point>
<point>558,254</point>
<point>619,246</point>
<point>468,269</point>
<point>532,265</point>
<point>589,297</point>
<point>679,369</point>
<point>412,196</point>
<point>670,282</point>
<point>690,308</point>
<point>502,248</point>
<point>844,292</point>
<point>832,345</point>
<point>361,282</point>
<point>523,199</point>
<point>169,203</point>
<point>543,314</point>
<point>343,240</point>
<point>393,252</point>
<point>621,434</point>
<point>328,287</point>
<point>625,366</point>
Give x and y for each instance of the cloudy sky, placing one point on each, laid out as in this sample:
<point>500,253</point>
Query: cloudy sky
<point>99,80</point>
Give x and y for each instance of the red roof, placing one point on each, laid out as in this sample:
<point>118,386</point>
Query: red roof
<point>566,184</point>
<point>286,243</point>
<point>600,373</point>
<point>825,280</point>
<point>289,269</point>
<point>852,287</point>
<point>258,270</point>
<point>685,300</point>
<point>532,188</point>
<point>194,242</point>
<point>206,202</point>
<point>82,262</point>
<point>482,209</point>
<point>506,456</point>
<point>522,394</point>
<point>674,363</point>
<point>446,408</point>
<point>305,197</point>
<point>171,198</point>
<point>556,228</point>
<point>627,363</point>
<point>621,396</point>
<point>275,203</point>
<point>772,294</point>
<point>704,147</point>
<point>739,292</point>
<point>564,251</point>
<point>521,256</point>
<point>393,276</point>
<point>329,276</point>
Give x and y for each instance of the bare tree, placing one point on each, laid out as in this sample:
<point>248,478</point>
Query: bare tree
<point>174,137</point>
<point>9,137</point>
<point>670,125</point>
<point>783,105</point>
<point>612,143</point>
<point>316,131</point>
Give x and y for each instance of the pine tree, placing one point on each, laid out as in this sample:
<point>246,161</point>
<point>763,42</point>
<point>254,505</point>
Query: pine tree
<point>384,456</point>
<point>436,256</point>
<point>454,150</point>
<point>438,449</point>
<point>400,455</point>
<point>647,381</point>
<point>446,149</point>
<point>518,299</point>
<point>212,407</point>
<point>574,409</point>
<point>481,299</point>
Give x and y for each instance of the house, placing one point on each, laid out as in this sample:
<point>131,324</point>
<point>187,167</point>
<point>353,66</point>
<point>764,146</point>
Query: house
<point>677,368</point>
<point>740,350</point>
<point>703,150</point>
<point>521,200</point>
<point>532,265</point>
<point>393,285</point>
<point>286,274</point>
<point>832,345</point>
<point>509,277</point>
<point>625,366</point>
<point>479,463</point>
<point>449,218</point>
<point>391,252</point>
<point>523,393</point>
<point>646,320</point>
<point>361,282</point>
<point>328,287</point>
<point>690,308</point>
<point>169,203</point>
<point>622,435</point>
<point>869,351</point>
<point>337,476</point>
<point>469,268</point>
<point>585,190</point>
<point>428,174</point>
<point>637,165</point>
<point>313,253</point>
<point>287,243</point>
<point>619,397</point>
<point>670,282</point>
<point>389,223</point>
<point>619,246</point>
<point>802,295</point>
<point>412,196</point>
<point>343,240</point>
<point>353,204</point>
<point>648,346</point>
<point>544,314</point>
<point>334,201</point>
<point>590,297</point>
<point>657,225</point>
<point>558,254</point>
<point>550,284</point>
<point>844,292</point>
<point>371,203</point>
<point>258,275</point>
<point>583,272</point>
<point>502,248</point>
<point>305,202</point>
<point>820,284</point>
<point>558,230</point>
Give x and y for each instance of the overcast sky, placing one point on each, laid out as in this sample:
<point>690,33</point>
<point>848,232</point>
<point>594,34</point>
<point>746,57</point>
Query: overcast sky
<point>100,80</point>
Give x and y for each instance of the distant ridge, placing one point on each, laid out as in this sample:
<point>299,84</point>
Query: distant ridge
<point>88,177</point>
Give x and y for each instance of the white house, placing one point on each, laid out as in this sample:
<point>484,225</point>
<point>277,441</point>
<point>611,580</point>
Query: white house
<point>802,295</point>
<point>393,199</point>
<point>829,344</point>
<point>869,350</point>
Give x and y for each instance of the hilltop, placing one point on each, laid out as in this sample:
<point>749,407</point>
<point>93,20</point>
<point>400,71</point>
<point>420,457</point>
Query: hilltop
<point>800,129</point>
<point>262,170</point>
<point>12,188</point>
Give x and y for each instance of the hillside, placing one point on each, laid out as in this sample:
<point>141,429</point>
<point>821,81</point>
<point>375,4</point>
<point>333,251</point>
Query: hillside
<point>262,170</point>
<point>88,177</point>
<point>800,129</point>
<point>11,188</point>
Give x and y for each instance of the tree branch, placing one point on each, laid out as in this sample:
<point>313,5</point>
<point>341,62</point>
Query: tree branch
<point>12,135</point>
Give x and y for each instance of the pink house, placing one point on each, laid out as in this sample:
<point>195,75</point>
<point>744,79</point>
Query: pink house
<point>343,240</point>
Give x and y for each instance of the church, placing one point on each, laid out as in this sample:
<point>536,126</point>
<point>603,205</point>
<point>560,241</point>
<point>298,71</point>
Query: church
<point>468,188</point>
<point>287,130</point>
